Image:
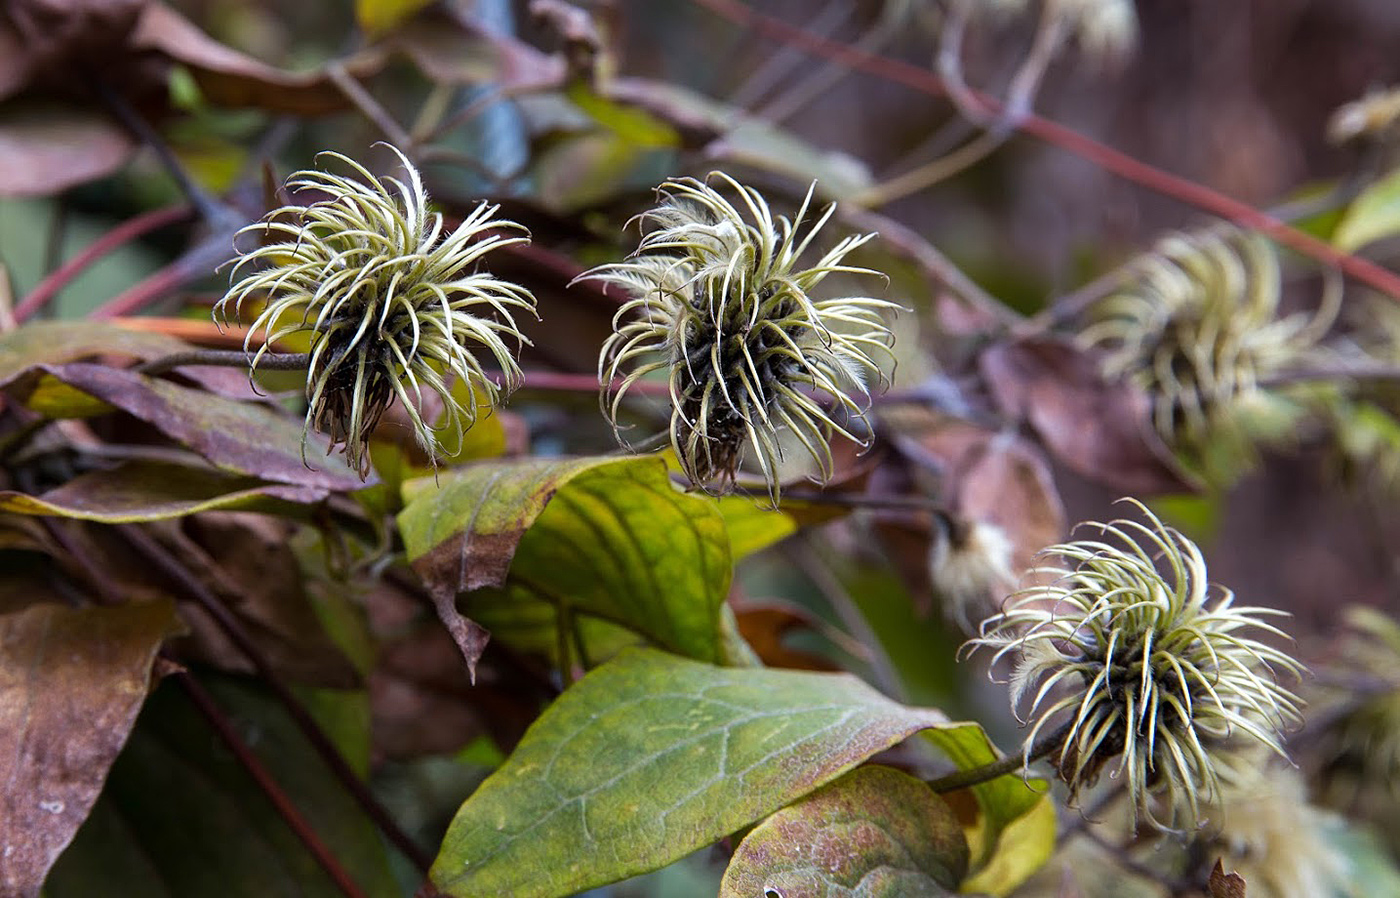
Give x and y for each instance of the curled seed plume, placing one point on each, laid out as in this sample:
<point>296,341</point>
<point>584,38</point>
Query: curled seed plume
<point>1198,328</point>
<point>720,307</point>
<point>1155,677</point>
<point>393,304</point>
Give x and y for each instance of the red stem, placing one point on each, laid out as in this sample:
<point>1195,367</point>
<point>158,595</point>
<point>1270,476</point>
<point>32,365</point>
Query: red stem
<point>129,230</point>
<point>171,567</point>
<point>1111,160</point>
<point>293,817</point>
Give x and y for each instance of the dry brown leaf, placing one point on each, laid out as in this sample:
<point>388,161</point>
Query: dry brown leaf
<point>71,684</point>
<point>1099,429</point>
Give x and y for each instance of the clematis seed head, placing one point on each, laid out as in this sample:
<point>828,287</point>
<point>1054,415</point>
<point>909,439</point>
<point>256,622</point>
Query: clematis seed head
<point>1153,674</point>
<point>719,305</point>
<point>394,304</point>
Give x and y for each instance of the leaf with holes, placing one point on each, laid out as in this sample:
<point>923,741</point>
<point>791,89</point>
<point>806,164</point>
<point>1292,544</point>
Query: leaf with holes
<point>874,833</point>
<point>652,756</point>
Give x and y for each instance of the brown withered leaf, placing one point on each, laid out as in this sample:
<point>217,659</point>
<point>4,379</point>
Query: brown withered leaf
<point>47,42</point>
<point>764,626</point>
<point>56,50</point>
<point>1097,428</point>
<point>230,78</point>
<point>450,49</point>
<point>422,701</point>
<point>1225,885</point>
<point>1003,480</point>
<point>247,562</point>
<point>241,437</point>
<point>46,147</point>
<point>71,684</point>
<point>982,475</point>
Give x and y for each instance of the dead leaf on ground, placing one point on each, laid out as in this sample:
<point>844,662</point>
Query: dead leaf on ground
<point>71,684</point>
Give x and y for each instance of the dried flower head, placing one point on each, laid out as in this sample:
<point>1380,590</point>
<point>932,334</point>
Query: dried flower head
<point>392,304</point>
<point>1105,29</point>
<point>1197,327</point>
<point>1148,667</point>
<point>1264,828</point>
<point>719,304</point>
<point>1376,116</point>
<point>1360,744</point>
<point>970,568</point>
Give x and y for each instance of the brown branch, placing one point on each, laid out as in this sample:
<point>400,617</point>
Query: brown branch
<point>1109,159</point>
<point>227,358</point>
<point>963,779</point>
<point>285,808</point>
<point>171,567</point>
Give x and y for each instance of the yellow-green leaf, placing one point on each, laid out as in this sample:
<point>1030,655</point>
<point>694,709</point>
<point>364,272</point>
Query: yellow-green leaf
<point>1372,216</point>
<point>651,757</point>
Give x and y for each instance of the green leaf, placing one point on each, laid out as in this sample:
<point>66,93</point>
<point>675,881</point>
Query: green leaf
<point>636,126</point>
<point>1012,832</point>
<point>617,541</point>
<point>751,526</point>
<point>652,756</point>
<point>874,833</point>
<point>241,437</point>
<point>181,818</point>
<point>1372,216</point>
<point>154,491</point>
<point>461,531</point>
<point>71,684</point>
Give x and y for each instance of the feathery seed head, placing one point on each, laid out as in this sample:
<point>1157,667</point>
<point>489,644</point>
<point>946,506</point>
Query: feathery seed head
<point>1373,117</point>
<point>1198,328</point>
<point>394,305</point>
<point>1360,746</point>
<point>1126,646</point>
<point>1268,832</point>
<point>970,568</point>
<point>718,303</point>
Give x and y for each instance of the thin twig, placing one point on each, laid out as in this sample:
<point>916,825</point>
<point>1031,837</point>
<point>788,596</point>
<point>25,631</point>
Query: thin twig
<point>829,585</point>
<point>171,567</point>
<point>962,779</point>
<point>298,824</point>
<point>778,66</point>
<point>1122,858</point>
<point>1105,157</point>
<point>1372,371</point>
<point>867,500</point>
<point>1025,84</point>
<point>908,242</point>
<point>227,358</point>
<point>369,107</point>
<point>210,209</point>
<point>1087,816</point>
<point>129,230</point>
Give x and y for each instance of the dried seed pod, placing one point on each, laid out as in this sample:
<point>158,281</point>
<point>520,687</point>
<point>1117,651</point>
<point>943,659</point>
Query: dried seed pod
<point>719,304</point>
<point>393,304</point>
<point>1158,680</point>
